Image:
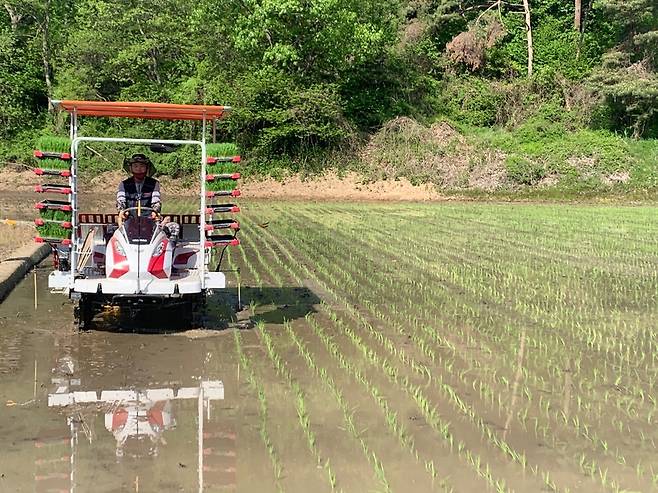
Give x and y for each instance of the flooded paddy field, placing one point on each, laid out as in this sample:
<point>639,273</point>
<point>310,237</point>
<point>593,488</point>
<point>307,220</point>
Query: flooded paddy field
<point>415,347</point>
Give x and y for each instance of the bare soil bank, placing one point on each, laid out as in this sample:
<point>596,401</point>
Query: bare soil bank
<point>13,237</point>
<point>327,187</point>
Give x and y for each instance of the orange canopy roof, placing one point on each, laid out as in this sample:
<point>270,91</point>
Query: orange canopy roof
<point>155,111</point>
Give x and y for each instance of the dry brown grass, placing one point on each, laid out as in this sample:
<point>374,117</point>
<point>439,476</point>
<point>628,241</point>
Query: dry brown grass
<point>437,154</point>
<point>470,47</point>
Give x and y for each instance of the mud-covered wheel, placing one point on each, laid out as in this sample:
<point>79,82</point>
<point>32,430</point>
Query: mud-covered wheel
<point>83,313</point>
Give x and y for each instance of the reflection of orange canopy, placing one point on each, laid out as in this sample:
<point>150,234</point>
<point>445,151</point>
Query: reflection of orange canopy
<point>155,111</point>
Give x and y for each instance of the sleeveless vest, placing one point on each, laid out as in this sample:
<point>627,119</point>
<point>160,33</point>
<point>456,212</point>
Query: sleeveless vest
<point>132,197</point>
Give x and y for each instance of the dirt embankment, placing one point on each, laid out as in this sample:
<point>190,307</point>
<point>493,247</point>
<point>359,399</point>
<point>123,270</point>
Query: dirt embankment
<point>326,187</point>
<point>14,236</point>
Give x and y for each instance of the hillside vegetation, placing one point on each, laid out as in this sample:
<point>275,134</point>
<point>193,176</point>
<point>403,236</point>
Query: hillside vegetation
<point>470,95</point>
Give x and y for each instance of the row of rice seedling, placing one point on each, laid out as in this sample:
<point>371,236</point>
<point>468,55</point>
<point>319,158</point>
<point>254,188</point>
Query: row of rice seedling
<point>396,428</point>
<point>483,470</point>
<point>423,370</point>
<point>257,386</point>
<point>300,404</point>
<point>348,413</point>
<point>640,393</point>
<point>430,414</point>
<point>508,380</point>
<point>324,375</point>
<point>247,361</point>
<point>392,422</point>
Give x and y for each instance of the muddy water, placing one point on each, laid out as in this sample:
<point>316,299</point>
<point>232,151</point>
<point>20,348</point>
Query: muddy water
<point>112,411</point>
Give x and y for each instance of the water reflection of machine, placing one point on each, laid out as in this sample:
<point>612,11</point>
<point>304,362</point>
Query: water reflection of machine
<point>138,420</point>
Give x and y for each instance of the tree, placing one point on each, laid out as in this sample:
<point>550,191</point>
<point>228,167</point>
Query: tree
<point>528,26</point>
<point>317,40</point>
<point>122,49</point>
<point>628,79</point>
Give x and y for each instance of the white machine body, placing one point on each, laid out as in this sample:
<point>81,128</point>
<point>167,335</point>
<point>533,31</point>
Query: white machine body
<point>140,259</point>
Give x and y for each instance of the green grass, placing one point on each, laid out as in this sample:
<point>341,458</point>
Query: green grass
<point>541,156</point>
<point>580,160</point>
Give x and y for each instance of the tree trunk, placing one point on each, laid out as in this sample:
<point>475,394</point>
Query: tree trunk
<point>528,26</point>
<point>578,17</point>
<point>45,53</point>
<point>14,17</point>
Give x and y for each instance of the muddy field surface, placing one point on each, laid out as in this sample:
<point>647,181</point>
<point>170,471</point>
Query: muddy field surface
<point>392,347</point>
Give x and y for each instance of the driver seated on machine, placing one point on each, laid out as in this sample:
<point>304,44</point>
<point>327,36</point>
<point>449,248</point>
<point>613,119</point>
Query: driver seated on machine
<point>143,190</point>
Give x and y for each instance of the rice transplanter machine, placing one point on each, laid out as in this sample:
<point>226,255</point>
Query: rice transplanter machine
<point>136,263</point>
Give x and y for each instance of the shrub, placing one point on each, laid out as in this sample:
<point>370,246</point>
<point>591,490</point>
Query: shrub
<point>523,171</point>
<point>279,120</point>
<point>471,100</point>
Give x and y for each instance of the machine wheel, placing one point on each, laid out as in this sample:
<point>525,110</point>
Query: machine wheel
<point>83,313</point>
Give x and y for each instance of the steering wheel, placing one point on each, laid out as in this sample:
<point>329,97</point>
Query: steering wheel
<point>134,211</point>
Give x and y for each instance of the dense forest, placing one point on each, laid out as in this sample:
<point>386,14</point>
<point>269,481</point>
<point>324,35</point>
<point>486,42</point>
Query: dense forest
<point>554,91</point>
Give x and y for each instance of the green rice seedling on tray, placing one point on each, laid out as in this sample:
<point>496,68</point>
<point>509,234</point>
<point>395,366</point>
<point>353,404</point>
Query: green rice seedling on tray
<point>53,230</point>
<point>55,215</point>
<point>221,185</point>
<point>50,163</point>
<point>222,168</point>
<point>53,144</point>
<point>222,149</point>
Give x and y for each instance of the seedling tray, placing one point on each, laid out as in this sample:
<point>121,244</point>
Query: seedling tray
<point>63,241</point>
<point>222,240</point>
<point>222,224</point>
<point>223,193</point>
<point>53,188</point>
<point>222,208</point>
<point>55,210</point>
<point>52,172</point>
